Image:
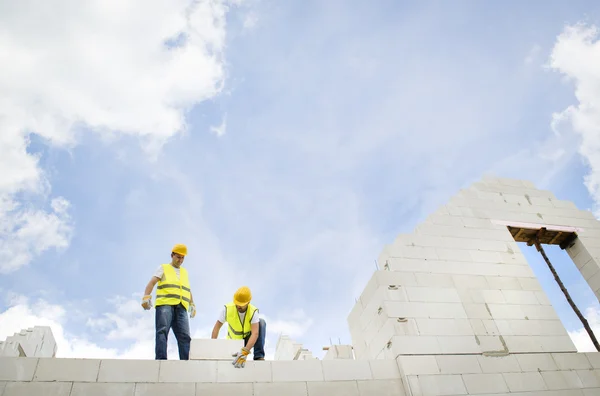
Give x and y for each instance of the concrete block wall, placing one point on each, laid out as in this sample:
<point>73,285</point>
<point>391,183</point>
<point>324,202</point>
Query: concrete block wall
<point>78,377</point>
<point>32,342</point>
<point>460,283</point>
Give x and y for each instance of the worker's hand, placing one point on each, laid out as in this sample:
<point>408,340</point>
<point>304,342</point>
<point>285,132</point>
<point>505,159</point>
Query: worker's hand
<point>147,302</point>
<point>239,360</point>
<point>192,310</point>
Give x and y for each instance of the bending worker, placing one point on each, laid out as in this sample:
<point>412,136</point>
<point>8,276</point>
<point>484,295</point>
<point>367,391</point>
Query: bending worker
<point>244,323</point>
<point>173,300</point>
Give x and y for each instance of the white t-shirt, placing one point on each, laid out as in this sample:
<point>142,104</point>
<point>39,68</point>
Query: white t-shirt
<point>254,319</point>
<point>160,273</point>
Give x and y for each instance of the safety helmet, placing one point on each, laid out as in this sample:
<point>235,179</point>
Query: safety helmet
<point>180,249</point>
<point>242,296</point>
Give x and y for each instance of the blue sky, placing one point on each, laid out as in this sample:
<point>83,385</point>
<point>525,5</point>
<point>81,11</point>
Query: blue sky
<point>284,142</point>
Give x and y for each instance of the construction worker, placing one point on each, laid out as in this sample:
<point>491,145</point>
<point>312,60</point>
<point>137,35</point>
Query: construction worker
<point>173,301</point>
<point>244,323</point>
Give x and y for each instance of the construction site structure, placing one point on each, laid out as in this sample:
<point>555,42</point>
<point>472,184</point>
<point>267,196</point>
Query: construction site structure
<point>454,310</point>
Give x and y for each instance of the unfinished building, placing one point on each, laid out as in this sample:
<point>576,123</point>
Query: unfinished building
<point>455,310</point>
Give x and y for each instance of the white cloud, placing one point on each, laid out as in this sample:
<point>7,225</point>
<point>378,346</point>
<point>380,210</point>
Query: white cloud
<point>576,54</point>
<point>115,67</point>
<point>580,337</point>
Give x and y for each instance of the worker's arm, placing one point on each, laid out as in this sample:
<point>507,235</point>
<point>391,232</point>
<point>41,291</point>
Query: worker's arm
<point>216,329</point>
<point>147,299</point>
<point>253,336</point>
<point>150,286</point>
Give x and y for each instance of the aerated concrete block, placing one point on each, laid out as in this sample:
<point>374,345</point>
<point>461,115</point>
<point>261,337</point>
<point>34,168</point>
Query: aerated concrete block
<point>278,389</point>
<point>525,382</point>
<point>79,370</point>
<point>187,371</point>
<point>333,388</point>
<point>297,371</point>
<point>37,389</point>
<point>179,389</point>
<point>221,389</point>
<point>17,368</point>
<point>102,389</point>
<point>442,385</point>
<point>381,388</point>
<point>117,370</point>
<point>254,371</point>
<point>485,383</point>
<point>214,349</point>
<point>341,370</point>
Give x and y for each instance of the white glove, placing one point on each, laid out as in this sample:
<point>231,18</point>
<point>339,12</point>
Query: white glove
<point>239,359</point>
<point>147,302</point>
<point>192,310</point>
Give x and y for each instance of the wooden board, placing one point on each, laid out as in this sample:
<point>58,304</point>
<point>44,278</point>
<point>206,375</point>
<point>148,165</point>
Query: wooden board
<point>549,237</point>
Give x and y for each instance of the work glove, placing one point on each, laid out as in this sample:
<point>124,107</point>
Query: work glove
<point>192,310</point>
<point>147,302</point>
<point>239,360</point>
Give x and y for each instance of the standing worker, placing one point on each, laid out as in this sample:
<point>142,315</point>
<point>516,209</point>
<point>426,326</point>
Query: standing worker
<point>173,300</point>
<point>244,323</point>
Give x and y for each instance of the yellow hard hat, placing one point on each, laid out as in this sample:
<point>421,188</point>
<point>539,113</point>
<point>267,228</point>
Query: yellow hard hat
<point>180,249</point>
<point>242,296</point>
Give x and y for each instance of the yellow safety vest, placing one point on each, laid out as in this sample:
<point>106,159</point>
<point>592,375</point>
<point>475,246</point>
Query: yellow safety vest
<point>238,330</point>
<point>173,291</point>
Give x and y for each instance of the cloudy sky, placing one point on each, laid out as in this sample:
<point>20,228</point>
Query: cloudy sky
<point>284,142</point>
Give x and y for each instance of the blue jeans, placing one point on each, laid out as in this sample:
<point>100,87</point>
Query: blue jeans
<point>259,345</point>
<point>176,317</point>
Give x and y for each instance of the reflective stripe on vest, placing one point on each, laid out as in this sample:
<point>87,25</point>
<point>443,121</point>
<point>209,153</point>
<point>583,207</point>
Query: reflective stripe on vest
<point>173,291</point>
<point>238,330</point>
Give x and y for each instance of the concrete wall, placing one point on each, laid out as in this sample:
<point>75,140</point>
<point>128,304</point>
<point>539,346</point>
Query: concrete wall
<point>458,306</point>
<point>92,377</point>
<point>32,342</point>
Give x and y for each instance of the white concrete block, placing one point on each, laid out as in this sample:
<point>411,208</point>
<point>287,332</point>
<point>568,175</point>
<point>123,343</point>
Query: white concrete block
<point>17,368</point>
<point>557,344</point>
<point>117,370</point>
<point>589,378</point>
<point>340,370</point>
<point>490,344</point>
<point>254,371</point>
<point>490,327</point>
<point>557,380</point>
<point>477,311</point>
<point>297,370</point>
<point>537,362</point>
<point>384,369</point>
<point>278,389</point>
<point>418,365</point>
<point>458,344</point>
<point>488,296</point>
<point>594,359</point>
<point>524,382</point>
<point>589,269</point>
<point>499,364</point>
<point>392,387</point>
<point>503,282</point>
<point>413,252</point>
<point>216,389</point>
<point>478,256</point>
<point>539,312</point>
<point>81,370</point>
<point>478,327</point>
<point>589,392</point>
<point>37,389</point>
<point>412,345</point>
<point>470,282</point>
<point>571,361</point>
<point>530,284</point>
<point>507,311</point>
<point>453,254</point>
<point>446,220</point>
<point>188,371</point>
<point>217,349</point>
<point>458,364</point>
<point>542,298</point>
<point>524,297</point>
<point>434,280</point>
<point>442,385</point>
<point>102,389</point>
<point>523,344</point>
<point>182,389</point>
<point>433,294</point>
<point>485,383</point>
<point>334,388</point>
<point>424,310</point>
<point>450,327</point>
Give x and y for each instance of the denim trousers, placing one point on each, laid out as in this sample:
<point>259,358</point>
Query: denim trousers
<point>172,317</point>
<point>259,345</point>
